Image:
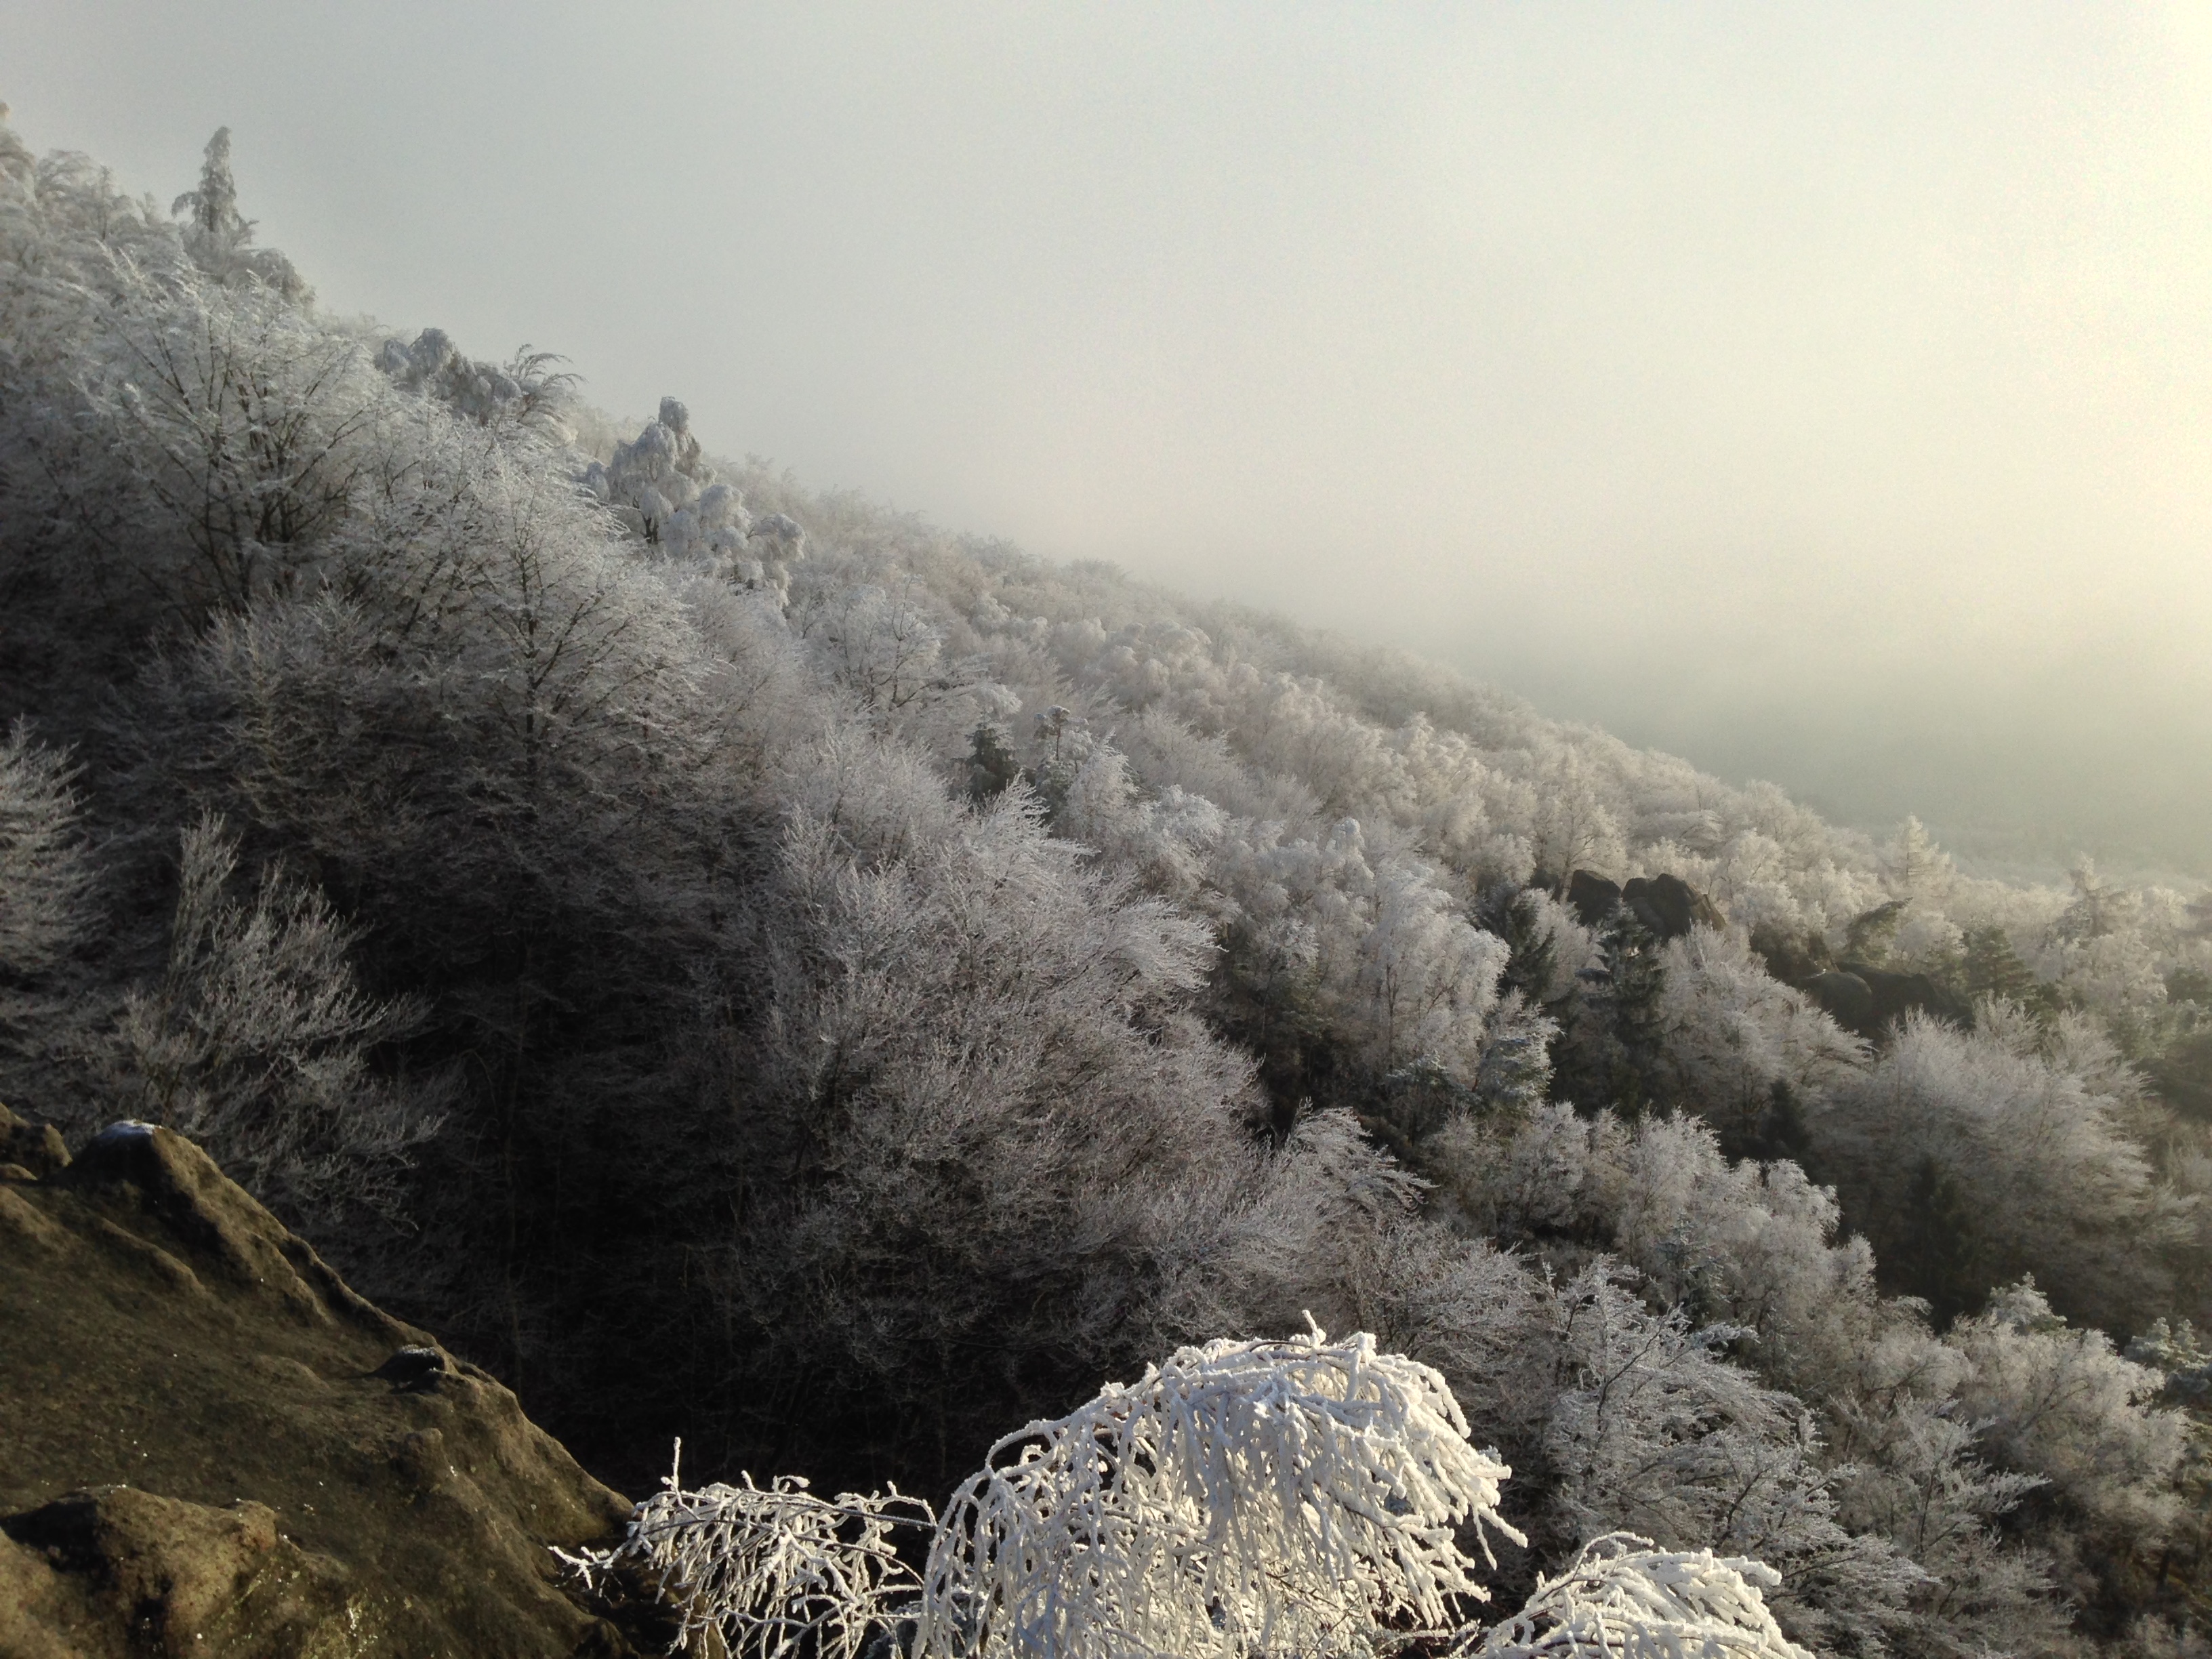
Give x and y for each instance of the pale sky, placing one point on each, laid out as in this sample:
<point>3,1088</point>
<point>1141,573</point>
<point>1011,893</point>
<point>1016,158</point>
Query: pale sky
<point>1824,392</point>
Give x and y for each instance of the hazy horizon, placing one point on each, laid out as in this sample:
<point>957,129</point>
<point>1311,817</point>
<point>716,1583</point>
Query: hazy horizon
<point>1821,393</point>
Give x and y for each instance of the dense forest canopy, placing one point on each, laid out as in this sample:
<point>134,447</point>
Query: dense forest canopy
<point>750,965</point>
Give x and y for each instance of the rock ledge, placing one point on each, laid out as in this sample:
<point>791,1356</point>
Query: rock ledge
<point>209,1444</point>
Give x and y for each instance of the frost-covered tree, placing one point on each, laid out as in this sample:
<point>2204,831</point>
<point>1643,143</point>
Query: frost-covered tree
<point>238,433</point>
<point>526,390</point>
<point>47,911</point>
<point>219,238</point>
<point>2037,1140</point>
<point>1653,1430</point>
<point>978,1112</point>
<point>879,645</point>
<point>45,875</point>
<point>1740,1050</point>
<point>255,1043</point>
<point>2062,1405</point>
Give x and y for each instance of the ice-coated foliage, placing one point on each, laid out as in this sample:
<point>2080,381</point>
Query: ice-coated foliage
<point>977,1117</point>
<point>46,876</point>
<point>47,912</point>
<point>254,1040</point>
<point>527,390</point>
<point>768,1570</point>
<point>1652,1428</point>
<point>241,430</point>
<point>1621,1599</point>
<point>1242,1498</point>
<point>2060,1401</point>
<point>219,238</point>
<point>1733,1035</point>
<point>2032,1136</point>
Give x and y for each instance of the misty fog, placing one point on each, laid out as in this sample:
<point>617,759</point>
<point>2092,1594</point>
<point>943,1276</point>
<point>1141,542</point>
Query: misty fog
<point>1819,392</point>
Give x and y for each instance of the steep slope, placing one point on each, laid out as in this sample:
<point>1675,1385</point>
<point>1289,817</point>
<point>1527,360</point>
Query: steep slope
<point>209,1444</point>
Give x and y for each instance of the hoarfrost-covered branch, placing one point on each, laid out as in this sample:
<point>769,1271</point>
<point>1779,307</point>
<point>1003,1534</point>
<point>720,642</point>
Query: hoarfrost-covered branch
<point>770,1569</point>
<point>1622,1599</point>
<point>1245,1496</point>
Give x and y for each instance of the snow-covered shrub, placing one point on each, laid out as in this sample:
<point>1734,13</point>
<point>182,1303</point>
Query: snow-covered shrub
<point>768,1570</point>
<point>1242,1496</point>
<point>1243,1499</point>
<point>1622,1599</point>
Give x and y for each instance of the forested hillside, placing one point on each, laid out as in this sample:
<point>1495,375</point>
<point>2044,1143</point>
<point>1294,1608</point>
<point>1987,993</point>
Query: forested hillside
<point>748,966</point>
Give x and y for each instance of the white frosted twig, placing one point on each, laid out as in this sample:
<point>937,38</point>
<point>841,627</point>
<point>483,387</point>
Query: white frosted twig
<point>773,1570</point>
<point>1622,1599</point>
<point>1245,1497</point>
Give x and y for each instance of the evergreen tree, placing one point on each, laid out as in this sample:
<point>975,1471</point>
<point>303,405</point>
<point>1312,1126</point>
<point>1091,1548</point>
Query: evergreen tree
<point>1532,961</point>
<point>214,206</point>
<point>992,766</point>
<point>219,238</point>
<point>1992,968</point>
<point>1939,1257</point>
<point>1634,979</point>
<point>1868,938</point>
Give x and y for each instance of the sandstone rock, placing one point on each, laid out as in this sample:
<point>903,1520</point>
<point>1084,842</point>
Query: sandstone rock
<point>1792,956</point>
<point>39,1149</point>
<point>1896,995</point>
<point>1871,1001</point>
<point>213,1446</point>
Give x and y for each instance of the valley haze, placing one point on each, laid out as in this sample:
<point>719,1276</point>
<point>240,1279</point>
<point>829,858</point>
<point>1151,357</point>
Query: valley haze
<point>1820,393</point>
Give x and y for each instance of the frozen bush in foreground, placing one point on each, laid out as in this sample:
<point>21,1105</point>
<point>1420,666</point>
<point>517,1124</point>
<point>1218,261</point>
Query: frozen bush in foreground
<point>770,1569</point>
<point>1246,1497</point>
<point>1624,1599</point>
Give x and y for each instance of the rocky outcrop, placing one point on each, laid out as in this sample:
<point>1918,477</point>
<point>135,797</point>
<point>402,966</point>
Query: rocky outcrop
<point>1795,957</point>
<point>1857,995</point>
<point>210,1445</point>
<point>1667,906</point>
<point>1873,1001</point>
